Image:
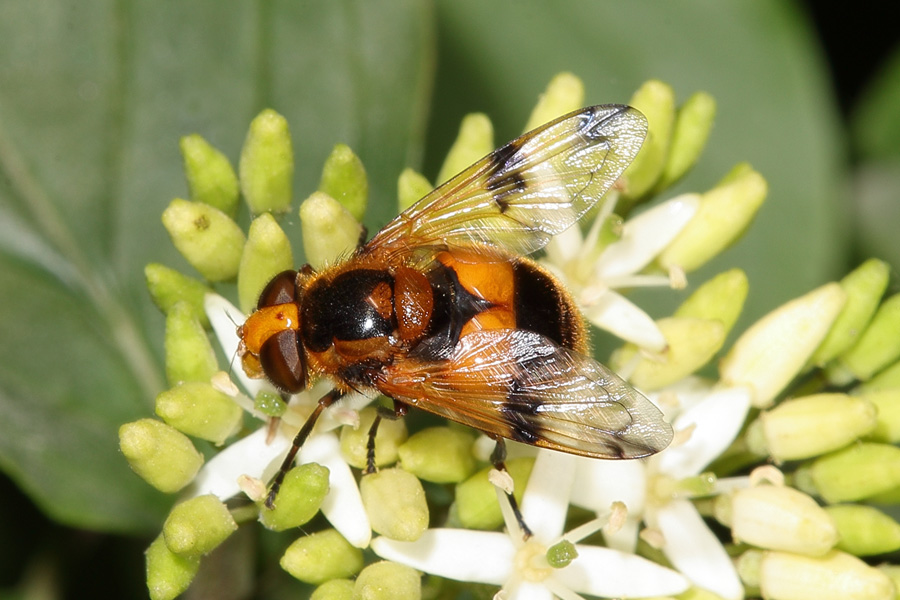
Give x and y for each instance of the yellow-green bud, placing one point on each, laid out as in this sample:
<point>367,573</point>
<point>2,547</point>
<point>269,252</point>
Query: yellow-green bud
<point>774,349</point>
<point>693,593</point>
<point>690,345</point>
<point>693,122</point>
<point>197,526</point>
<point>476,498</point>
<point>865,530</point>
<point>439,454</point>
<point>892,571</point>
<point>160,454</point>
<point>168,574</point>
<point>269,403</point>
<point>561,554</point>
<point>858,471</point>
<point>887,404</point>
<point>198,409</point>
<point>267,164</point>
<point>657,101</point>
<point>887,379</point>
<point>781,518</point>
<point>564,93</point>
<point>388,581</point>
<point>329,230</point>
<point>301,495</point>
<point>864,287</point>
<point>206,237</point>
<point>395,503</point>
<point>210,177</point>
<point>724,213</point>
<point>344,179</point>
<point>189,354</point>
<point>168,287</point>
<point>411,187</point>
<point>267,253</point>
<point>319,557</point>
<point>811,425</point>
<point>835,576</point>
<point>718,299</point>
<point>474,141</point>
<point>336,589</point>
<point>879,345</point>
<point>354,440</point>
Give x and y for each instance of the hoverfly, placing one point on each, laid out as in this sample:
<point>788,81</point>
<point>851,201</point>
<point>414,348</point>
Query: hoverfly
<point>440,310</point>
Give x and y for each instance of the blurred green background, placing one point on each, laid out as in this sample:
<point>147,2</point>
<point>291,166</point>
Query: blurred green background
<point>94,96</point>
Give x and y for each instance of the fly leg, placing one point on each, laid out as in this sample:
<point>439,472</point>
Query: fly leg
<point>498,459</point>
<point>383,413</point>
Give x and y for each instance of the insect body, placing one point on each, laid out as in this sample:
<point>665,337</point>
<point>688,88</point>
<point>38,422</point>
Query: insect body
<point>441,310</point>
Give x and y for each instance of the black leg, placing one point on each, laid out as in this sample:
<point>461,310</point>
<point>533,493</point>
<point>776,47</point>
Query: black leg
<point>498,459</point>
<point>383,413</point>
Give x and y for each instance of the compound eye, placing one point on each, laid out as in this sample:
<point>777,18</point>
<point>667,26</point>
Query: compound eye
<point>283,361</point>
<point>281,290</point>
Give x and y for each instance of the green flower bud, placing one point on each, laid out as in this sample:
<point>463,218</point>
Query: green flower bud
<point>781,518</point>
<point>693,122</point>
<point>198,409</point>
<point>319,557</point>
<point>189,354</point>
<point>772,351</point>
<point>719,299</point>
<point>564,93</point>
<point>853,473</point>
<point>267,164</point>
<point>864,287</point>
<point>811,425</point>
<point>879,344</point>
<point>835,576</point>
<point>269,403</point>
<point>748,565</point>
<point>160,454</point>
<point>893,572</point>
<point>475,140</point>
<point>168,574</point>
<point>300,498</point>
<point>476,499</point>
<point>439,454</point>
<point>887,379</point>
<point>206,237</point>
<point>329,231</point>
<point>657,101</point>
<point>724,213</point>
<point>354,441</point>
<point>267,253</point>
<point>561,554</point>
<point>887,404</point>
<point>865,530</point>
<point>344,179</point>
<point>336,589</point>
<point>197,526</point>
<point>395,503</point>
<point>210,177</point>
<point>411,187</point>
<point>696,593</point>
<point>388,581</point>
<point>690,345</point>
<point>168,287</point>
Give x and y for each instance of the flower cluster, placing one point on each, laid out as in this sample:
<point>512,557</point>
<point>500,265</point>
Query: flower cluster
<point>782,452</point>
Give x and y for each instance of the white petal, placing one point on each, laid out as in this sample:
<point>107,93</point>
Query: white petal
<point>618,315</point>
<point>250,456</point>
<point>625,538</point>
<point>688,392</point>
<point>546,497</point>
<point>646,235</point>
<point>694,550</point>
<point>476,556</point>
<point>527,590</point>
<point>609,573</point>
<point>223,315</point>
<point>342,505</point>
<point>564,246</point>
<point>717,421</point>
<point>599,483</point>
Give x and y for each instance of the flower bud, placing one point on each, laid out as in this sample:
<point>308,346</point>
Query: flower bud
<point>319,557</point>
<point>168,574</point>
<point>865,530</point>
<point>564,93</point>
<point>189,354</point>
<point>719,299</point>
<point>657,101</point>
<point>198,409</point>
<point>267,164</point>
<point>835,576</point>
<point>206,237</point>
<point>267,253</point>
<point>887,404</point>
<point>388,581</point>
<point>168,287</point>
<point>476,498</point>
<point>411,187</point>
<point>329,230</point>
<point>693,122</point>
<point>888,379</point>
<point>439,454</point>
<point>772,351</point>
<point>344,179</point>
<point>210,177</point>
<point>299,499</point>
<point>474,141</point>
<point>395,503</point>
<point>354,440</point>
<point>879,344</point>
<point>335,589</point>
<point>858,471</point>
<point>197,526</point>
<point>160,454</point>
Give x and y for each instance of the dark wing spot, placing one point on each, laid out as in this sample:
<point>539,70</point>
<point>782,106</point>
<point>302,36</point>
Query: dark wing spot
<point>592,124</point>
<point>521,413</point>
<point>503,176</point>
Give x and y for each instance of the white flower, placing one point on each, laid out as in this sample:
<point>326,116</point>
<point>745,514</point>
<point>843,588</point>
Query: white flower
<point>520,566</point>
<point>259,457</point>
